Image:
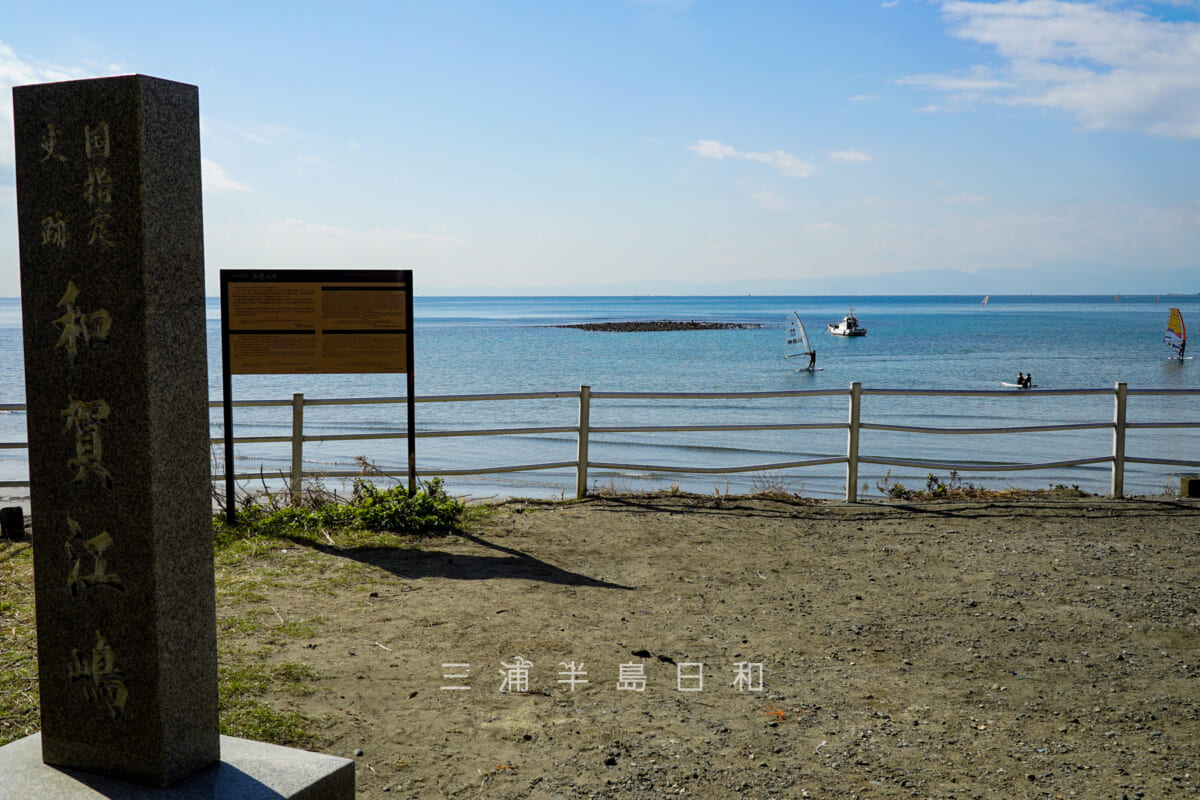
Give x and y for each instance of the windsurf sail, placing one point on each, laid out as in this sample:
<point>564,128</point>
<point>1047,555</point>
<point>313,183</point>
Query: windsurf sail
<point>985,299</point>
<point>1176,335</point>
<point>796,340</point>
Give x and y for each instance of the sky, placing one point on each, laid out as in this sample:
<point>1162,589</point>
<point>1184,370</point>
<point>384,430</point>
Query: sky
<point>669,146</point>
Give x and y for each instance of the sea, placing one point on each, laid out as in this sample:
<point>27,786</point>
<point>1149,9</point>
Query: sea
<point>504,345</point>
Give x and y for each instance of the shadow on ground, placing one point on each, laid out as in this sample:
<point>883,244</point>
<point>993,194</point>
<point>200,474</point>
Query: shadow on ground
<point>414,564</point>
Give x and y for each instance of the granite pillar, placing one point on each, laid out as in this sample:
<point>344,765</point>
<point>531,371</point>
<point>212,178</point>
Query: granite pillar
<point>112,295</point>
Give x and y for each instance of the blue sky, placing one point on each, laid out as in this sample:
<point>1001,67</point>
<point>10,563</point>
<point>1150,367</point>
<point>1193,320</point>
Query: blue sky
<point>560,147</point>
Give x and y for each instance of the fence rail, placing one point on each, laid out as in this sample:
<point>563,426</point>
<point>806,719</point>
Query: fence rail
<point>853,426</point>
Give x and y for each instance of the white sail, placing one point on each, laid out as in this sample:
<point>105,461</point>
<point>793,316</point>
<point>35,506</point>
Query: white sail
<point>796,338</point>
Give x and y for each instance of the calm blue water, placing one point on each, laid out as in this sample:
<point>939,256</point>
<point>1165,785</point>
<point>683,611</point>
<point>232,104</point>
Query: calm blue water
<point>489,345</point>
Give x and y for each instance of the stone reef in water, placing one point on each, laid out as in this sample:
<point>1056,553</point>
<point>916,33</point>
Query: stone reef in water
<point>660,325</point>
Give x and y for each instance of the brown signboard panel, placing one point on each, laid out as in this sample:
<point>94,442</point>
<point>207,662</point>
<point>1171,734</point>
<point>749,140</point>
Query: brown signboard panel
<point>312,352</point>
<point>283,322</point>
<point>304,321</point>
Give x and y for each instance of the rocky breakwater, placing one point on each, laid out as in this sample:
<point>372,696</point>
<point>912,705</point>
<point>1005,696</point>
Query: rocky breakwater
<point>654,326</point>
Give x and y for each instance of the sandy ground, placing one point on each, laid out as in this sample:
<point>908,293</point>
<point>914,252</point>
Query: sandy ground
<point>1035,649</point>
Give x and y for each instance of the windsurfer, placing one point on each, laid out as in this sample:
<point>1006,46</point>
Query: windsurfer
<point>812,360</point>
<point>1176,335</point>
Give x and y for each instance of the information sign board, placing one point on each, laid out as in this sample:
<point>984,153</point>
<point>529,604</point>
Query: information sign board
<point>300,321</point>
<point>287,322</point>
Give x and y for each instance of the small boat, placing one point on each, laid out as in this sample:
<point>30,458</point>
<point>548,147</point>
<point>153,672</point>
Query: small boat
<point>847,327</point>
<point>795,343</point>
<point>1176,336</point>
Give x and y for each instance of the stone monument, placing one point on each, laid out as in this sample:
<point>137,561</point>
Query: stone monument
<point>112,291</point>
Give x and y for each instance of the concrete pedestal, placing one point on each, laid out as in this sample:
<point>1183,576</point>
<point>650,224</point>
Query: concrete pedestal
<point>247,771</point>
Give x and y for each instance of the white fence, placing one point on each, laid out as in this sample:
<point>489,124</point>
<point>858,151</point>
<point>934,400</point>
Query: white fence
<point>854,425</point>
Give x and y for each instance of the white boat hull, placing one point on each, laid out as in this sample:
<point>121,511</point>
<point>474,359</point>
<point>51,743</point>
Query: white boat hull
<point>847,327</point>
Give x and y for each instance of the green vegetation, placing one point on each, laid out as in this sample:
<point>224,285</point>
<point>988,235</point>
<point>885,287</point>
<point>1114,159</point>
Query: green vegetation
<point>252,558</point>
<point>370,510</point>
<point>18,645</point>
<point>245,715</point>
<point>254,720</point>
<point>955,488</point>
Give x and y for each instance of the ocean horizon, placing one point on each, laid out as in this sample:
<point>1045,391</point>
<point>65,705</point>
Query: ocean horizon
<point>490,345</point>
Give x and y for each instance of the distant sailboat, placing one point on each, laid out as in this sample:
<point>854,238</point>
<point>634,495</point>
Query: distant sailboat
<point>795,342</point>
<point>985,299</point>
<point>1176,335</point>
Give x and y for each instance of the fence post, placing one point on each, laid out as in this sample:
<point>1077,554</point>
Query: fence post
<point>852,443</point>
<point>1118,467</point>
<point>585,402</point>
<point>297,443</point>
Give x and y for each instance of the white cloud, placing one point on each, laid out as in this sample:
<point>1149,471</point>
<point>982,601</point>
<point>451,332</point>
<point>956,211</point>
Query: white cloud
<point>375,237</point>
<point>849,156</point>
<point>890,3</point>
<point>255,133</point>
<point>1108,235</point>
<point>713,149</point>
<point>299,244</point>
<point>785,162</point>
<point>863,98</point>
<point>1110,67</point>
<point>769,200</point>
<point>965,198</point>
<point>317,244</point>
<point>16,71</point>
<point>978,79</point>
<point>216,179</point>
<point>214,130</point>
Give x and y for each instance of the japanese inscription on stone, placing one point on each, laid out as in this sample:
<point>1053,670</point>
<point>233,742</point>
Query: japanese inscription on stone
<point>85,155</point>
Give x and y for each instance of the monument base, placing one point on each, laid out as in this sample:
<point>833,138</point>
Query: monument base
<point>247,771</point>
